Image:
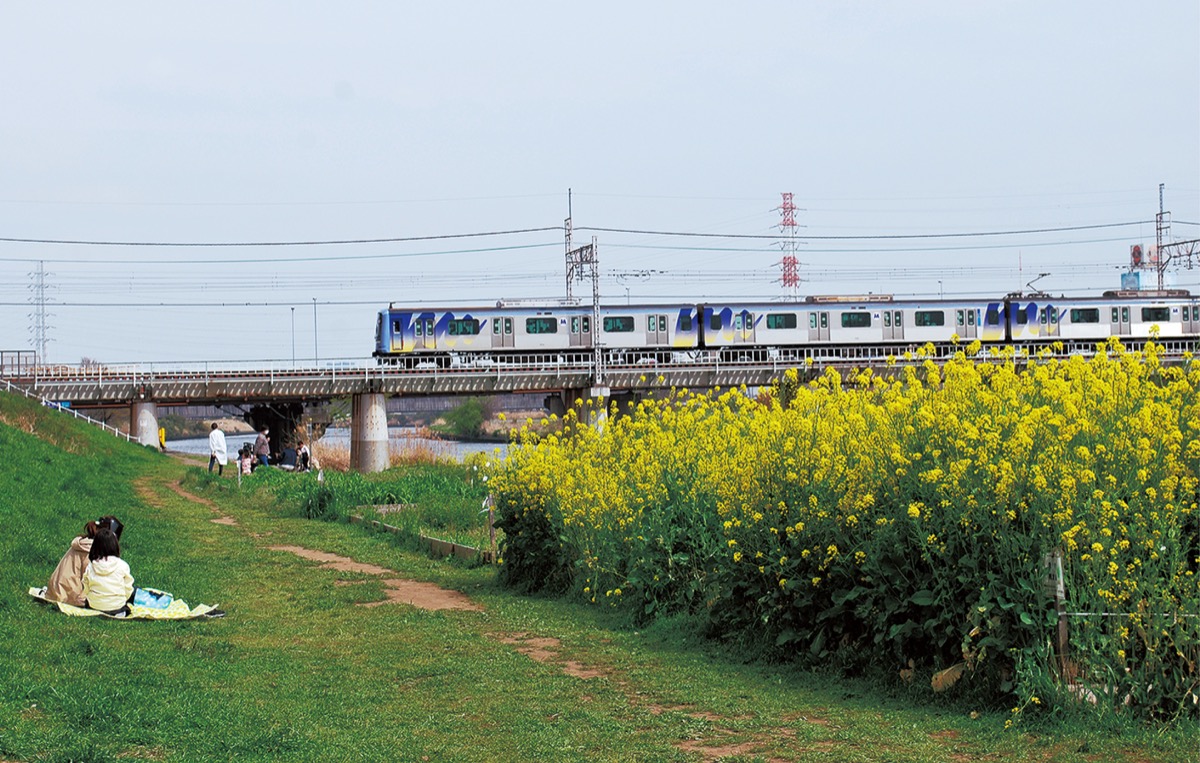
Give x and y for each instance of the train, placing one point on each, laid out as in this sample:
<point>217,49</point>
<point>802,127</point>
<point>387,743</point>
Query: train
<point>444,337</point>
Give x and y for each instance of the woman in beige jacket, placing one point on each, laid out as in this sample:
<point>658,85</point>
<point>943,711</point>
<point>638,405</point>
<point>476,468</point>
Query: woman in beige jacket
<point>66,584</point>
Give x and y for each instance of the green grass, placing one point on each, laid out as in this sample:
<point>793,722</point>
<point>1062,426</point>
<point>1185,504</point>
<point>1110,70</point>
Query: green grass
<point>298,672</point>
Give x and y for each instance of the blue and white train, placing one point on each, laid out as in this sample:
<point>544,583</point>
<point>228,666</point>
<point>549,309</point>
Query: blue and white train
<point>653,332</point>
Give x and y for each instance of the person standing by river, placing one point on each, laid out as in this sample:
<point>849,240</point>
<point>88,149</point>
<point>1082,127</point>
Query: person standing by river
<point>218,452</point>
<point>262,447</point>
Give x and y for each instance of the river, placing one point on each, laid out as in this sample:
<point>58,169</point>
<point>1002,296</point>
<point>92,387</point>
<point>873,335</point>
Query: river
<point>402,438</point>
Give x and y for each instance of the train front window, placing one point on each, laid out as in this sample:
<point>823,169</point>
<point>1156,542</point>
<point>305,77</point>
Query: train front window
<point>1156,314</point>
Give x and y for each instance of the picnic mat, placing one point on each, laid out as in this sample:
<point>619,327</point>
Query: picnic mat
<point>176,610</point>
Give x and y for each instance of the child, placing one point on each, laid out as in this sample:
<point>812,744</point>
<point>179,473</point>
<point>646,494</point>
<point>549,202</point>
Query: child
<point>107,584</point>
<point>246,459</point>
<point>66,584</point>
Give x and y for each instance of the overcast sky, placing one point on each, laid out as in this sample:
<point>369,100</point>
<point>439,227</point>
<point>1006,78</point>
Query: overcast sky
<point>176,123</point>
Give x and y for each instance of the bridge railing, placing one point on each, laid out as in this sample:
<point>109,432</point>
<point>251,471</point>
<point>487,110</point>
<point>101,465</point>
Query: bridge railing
<point>10,387</point>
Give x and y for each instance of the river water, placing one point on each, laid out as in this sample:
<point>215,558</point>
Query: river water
<point>402,438</point>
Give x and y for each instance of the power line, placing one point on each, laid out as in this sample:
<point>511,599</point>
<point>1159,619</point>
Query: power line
<point>891,236</point>
<point>276,260</point>
<point>331,242</point>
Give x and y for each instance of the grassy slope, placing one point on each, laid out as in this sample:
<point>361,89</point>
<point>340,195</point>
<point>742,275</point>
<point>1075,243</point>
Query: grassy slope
<point>298,672</point>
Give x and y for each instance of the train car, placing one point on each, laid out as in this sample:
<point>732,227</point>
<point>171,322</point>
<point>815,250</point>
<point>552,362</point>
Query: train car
<point>1134,315</point>
<point>653,327</point>
<point>871,319</point>
<point>402,331</point>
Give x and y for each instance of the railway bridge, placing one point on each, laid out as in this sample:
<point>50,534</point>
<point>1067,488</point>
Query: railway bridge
<point>278,392</point>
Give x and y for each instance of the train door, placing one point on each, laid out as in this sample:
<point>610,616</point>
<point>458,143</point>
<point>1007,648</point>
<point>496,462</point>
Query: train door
<point>581,331</point>
<point>743,327</point>
<point>1122,322</point>
<point>893,324</point>
<point>656,331</point>
<point>964,323</point>
<point>423,332</point>
<point>1048,320</point>
<point>818,326</point>
<point>502,331</point>
<point>1191,319</point>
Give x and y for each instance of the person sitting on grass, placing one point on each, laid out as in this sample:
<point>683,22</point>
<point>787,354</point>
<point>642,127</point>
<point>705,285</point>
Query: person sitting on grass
<point>66,583</point>
<point>107,584</point>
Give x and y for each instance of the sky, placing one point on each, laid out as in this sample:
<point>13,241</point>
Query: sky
<point>933,148</point>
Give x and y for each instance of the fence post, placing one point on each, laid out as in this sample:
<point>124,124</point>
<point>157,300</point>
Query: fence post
<point>1056,588</point>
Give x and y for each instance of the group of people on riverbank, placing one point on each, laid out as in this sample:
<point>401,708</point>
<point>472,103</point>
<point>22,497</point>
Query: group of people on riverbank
<point>251,457</point>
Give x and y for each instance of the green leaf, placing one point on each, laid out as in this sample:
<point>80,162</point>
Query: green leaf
<point>923,598</point>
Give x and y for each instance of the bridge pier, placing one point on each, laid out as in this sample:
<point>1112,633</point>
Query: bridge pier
<point>143,422</point>
<point>370,450</point>
<point>596,402</point>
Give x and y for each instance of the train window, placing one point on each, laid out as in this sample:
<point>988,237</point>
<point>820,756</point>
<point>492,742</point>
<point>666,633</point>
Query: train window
<point>587,325</point>
<point>824,320</point>
<point>1053,314</point>
<point>496,326</point>
<point>574,324</point>
<point>508,326</point>
<point>970,317</point>
<point>899,319</point>
<point>420,327</point>
<point>781,320</point>
<point>1124,315</point>
<point>933,318</point>
<point>462,327</point>
<point>395,327</point>
<point>685,322</point>
<point>887,319</point>
<point>1115,319</point>
<point>1196,312</point>
<point>856,320</point>
<point>1156,314</point>
<point>1020,316</point>
<point>714,321</point>
<point>541,326</point>
<point>618,324</point>
<point>958,318</point>
<point>992,316</point>
<point>650,322</point>
<point>662,323</point>
<point>737,322</point>
<point>812,320</point>
<point>1086,315</point>
<point>1042,316</point>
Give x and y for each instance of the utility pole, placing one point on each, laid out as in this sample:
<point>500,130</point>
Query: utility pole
<point>580,259</point>
<point>315,353</point>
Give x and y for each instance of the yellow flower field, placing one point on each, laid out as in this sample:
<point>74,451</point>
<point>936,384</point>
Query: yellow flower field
<point>898,521</point>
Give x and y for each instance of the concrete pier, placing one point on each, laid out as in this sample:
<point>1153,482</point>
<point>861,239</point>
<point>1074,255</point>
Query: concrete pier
<point>143,422</point>
<point>369,447</point>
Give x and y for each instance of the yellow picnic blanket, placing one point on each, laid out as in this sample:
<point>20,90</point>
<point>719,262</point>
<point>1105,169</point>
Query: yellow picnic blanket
<point>176,610</point>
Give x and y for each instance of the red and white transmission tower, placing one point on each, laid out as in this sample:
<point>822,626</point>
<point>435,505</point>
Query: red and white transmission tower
<point>789,265</point>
